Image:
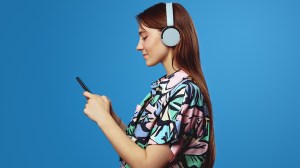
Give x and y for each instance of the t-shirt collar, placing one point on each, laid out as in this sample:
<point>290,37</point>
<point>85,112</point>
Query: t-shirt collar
<point>167,82</point>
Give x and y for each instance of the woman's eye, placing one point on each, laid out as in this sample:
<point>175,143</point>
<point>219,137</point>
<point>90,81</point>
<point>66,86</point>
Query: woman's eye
<point>144,38</point>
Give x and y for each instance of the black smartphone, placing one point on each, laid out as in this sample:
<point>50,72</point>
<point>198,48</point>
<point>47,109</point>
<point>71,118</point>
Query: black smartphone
<point>82,84</point>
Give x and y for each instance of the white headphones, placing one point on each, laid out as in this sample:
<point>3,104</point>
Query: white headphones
<point>170,35</point>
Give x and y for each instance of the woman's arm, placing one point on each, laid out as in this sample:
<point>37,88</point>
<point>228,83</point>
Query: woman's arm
<point>118,120</point>
<point>131,153</point>
<point>98,109</point>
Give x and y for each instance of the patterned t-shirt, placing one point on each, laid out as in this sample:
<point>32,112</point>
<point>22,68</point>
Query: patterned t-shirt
<point>174,113</point>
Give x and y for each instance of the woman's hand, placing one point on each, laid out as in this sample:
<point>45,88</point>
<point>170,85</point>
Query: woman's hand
<point>97,108</point>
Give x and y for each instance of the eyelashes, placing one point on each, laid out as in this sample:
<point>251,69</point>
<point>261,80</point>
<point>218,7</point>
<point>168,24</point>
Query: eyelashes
<point>144,38</point>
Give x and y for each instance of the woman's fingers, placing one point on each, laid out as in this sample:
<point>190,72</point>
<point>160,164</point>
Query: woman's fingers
<point>104,98</point>
<point>87,94</point>
<point>100,99</point>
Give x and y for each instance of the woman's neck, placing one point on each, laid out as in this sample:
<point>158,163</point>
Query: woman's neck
<point>167,63</point>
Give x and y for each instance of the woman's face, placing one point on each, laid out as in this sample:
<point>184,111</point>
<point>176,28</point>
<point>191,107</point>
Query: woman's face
<point>151,46</point>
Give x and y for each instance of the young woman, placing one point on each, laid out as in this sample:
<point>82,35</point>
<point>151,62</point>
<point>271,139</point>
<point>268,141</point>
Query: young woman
<point>173,125</point>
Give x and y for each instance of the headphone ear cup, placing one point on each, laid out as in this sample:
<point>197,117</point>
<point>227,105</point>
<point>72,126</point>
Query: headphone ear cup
<point>170,36</point>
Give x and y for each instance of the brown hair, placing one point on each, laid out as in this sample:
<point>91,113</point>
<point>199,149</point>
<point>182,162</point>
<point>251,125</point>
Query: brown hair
<point>186,55</point>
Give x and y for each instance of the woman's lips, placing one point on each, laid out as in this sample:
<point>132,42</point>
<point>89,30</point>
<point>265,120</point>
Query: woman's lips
<point>145,55</point>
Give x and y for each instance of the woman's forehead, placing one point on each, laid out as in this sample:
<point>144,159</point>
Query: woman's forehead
<point>142,27</point>
<point>145,29</point>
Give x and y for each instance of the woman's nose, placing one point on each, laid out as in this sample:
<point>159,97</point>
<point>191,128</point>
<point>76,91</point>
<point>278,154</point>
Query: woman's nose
<point>139,46</point>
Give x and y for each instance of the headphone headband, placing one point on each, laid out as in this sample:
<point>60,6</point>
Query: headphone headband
<point>169,12</point>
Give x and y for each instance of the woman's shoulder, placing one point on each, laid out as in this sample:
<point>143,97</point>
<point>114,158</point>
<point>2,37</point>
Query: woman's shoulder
<point>191,91</point>
<point>188,85</point>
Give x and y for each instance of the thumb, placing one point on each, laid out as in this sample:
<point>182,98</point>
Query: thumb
<point>87,94</point>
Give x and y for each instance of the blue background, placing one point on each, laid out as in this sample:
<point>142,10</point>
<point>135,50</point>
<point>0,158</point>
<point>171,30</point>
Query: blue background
<point>250,57</point>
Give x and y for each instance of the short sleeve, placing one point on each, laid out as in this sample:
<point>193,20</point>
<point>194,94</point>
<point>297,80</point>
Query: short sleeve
<point>167,127</point>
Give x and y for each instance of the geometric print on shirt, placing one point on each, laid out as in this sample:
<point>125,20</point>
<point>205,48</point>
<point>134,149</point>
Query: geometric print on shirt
<point>174,113</point>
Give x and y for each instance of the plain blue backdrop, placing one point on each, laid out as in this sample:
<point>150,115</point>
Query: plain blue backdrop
<point>249,53</point>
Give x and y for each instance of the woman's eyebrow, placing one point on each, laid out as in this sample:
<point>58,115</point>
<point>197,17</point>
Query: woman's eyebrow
<point>142,31</point>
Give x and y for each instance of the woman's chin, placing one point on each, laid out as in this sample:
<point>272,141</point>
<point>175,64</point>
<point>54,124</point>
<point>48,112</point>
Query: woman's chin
<point>150,64</point>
